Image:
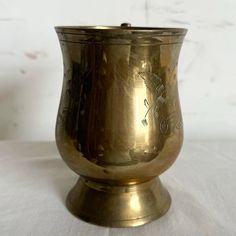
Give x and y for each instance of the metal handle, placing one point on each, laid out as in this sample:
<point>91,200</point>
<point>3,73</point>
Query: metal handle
<point>125,25</point>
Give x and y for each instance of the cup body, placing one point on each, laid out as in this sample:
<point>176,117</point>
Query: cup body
<point>119,119</point>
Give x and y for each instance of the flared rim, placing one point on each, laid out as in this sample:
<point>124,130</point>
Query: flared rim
<point>119,30</point>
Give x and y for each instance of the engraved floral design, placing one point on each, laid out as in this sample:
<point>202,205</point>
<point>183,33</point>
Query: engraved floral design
<point>170,122</point>
<point>164,126</point>
<point>179,124</point>
<point>154,84</point>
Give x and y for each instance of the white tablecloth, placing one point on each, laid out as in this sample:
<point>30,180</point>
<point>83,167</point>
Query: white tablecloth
<point>34,182</point>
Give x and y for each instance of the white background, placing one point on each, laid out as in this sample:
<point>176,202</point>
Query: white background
<point>34,181</point>
<point>31,63</point>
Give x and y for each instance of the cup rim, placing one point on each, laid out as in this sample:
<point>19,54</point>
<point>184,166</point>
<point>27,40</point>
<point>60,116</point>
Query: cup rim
<point>168,31</point>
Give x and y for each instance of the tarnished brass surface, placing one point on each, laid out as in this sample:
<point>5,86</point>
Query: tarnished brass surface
<point>119,123</point>
<point>121,206</point>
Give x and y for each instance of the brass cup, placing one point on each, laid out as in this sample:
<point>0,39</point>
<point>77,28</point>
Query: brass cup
<point>119,123</point>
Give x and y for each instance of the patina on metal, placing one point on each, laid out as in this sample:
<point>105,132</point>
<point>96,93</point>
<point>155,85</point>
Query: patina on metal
<point>119,123</point>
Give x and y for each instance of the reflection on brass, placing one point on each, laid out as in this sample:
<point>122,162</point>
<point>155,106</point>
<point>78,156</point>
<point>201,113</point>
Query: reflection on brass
<point>119,123</point>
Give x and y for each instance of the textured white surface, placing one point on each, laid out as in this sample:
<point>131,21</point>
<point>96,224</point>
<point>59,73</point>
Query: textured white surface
<point>31,63</point>
<point>34,182</point>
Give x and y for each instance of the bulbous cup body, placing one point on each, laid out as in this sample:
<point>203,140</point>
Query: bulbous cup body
<point>119,120</point>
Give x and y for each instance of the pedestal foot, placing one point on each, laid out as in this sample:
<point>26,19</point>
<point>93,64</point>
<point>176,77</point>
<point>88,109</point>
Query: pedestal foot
<point>118,206</point>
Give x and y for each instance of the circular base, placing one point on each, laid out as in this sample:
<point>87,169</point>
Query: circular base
<point>118,206</point>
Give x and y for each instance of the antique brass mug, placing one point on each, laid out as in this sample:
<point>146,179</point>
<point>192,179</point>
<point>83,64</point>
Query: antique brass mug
<point>119,123</point>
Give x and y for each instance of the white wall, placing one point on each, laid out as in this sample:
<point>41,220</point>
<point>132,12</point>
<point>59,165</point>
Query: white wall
<point>31,63</point>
